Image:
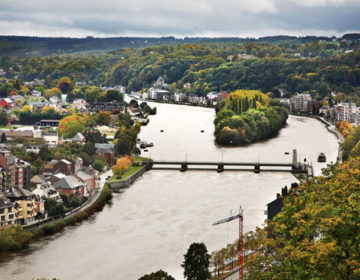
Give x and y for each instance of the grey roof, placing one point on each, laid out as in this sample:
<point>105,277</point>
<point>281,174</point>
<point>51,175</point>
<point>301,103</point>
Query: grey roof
<point>17,193</point>
<point>38,179</point>
<point>78,137</point>
<point>107,148</point>
<point>68,182</point>
<point>5,202</point>
<point>82,175</point>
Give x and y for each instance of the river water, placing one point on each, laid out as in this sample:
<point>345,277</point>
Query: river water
<point>150,225</point>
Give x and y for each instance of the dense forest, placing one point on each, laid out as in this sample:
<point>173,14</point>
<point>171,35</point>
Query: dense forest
<point>317,67</point>
<point>35,46</point>
<point>248,116</point>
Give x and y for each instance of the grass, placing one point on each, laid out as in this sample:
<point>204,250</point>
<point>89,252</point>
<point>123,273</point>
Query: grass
<point>132,170</point>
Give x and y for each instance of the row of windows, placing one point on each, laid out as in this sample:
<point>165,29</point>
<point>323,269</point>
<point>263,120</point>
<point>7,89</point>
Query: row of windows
<point>2,218</point>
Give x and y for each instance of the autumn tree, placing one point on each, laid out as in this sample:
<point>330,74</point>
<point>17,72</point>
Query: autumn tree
<point>123,164</point>
<point>103,118</point>
<point>71,125</point>
<point>65,84</point>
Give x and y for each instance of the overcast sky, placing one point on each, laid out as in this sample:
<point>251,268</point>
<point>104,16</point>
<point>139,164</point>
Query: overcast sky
<point>180,18</point>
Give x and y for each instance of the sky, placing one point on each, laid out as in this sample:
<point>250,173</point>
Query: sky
<point>179,18</point>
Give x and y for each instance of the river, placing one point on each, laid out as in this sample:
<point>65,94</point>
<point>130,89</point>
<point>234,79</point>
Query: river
<point>150,225</point>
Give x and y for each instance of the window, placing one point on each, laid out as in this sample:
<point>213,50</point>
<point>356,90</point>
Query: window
<point>9,223</point>
<point>2,218</point>
<point>9,209</point>
<point>11,216</point>
<point>29,205</point>
<point>2,211</point>
<point>29,212</point>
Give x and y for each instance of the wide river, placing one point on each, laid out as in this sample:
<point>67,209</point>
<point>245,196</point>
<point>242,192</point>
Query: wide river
<point>150,225</point>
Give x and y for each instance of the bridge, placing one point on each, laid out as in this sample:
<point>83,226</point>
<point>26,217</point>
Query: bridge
<point>294,167</point>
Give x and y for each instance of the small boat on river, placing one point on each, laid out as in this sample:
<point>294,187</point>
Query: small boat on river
<point>322,157</point>
<point>145,144</point>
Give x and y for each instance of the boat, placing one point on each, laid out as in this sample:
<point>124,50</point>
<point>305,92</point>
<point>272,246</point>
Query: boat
<point>145,144</point>
<point>286,153</point>
<point>162,130</point>
<point>202,131</point>
<point>322,157</point>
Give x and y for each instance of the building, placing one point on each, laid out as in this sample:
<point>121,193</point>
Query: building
<point>78,138</point>
<point>158,94</point>
<point>70,185</point>
<point>24,205</point>
<point>13,134</point>
<point>46,190</point>
<point>113,107</point>
<point>22,174</point>
<point>7,211</point>
<point>275,206</point>
<point>180,97</point>
<point>6,103</point>
<point>58,166</point>
<point>107,150</point>
<point>159,82</point>
<point>313,107</point>
<point>49,123</point>
<point>299,102</point>
<point>80,104</point>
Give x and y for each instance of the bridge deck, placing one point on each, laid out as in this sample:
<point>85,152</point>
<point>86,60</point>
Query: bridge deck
<point>223,163</point>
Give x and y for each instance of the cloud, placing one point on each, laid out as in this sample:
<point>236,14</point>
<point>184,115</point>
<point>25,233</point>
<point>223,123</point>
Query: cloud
<point>178,18</point>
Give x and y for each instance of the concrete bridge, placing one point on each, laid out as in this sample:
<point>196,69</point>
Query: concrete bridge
<point>294,167</point>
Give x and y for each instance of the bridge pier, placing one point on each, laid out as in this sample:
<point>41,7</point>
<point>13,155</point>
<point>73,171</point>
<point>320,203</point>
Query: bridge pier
<point>220,167</point>
<point>257,168</point>
<point>149,165</point>
<point>184,167</point>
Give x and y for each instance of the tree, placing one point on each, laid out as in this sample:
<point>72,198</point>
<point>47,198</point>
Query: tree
<point>66,85</point>
<point>103,118</point>
<point>123,164</point>
<point>4,119</point>
<point>196,263</point>
<point>45,153</point>
<point>114,94</point>
<point>99,165</point>
<point>158,275</point>
<point>3,138</point>
<point>89,148</point>
<point>71,125</point>
<point>94,136</point>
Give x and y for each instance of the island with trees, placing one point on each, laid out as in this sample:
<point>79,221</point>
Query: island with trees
<point>247,116</point>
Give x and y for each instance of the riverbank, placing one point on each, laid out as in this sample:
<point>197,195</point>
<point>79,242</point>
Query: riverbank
<point>19,238</point>
<point>330,127</point>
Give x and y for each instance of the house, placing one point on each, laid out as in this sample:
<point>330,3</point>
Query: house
<point>187,85</point>
<point>158,94</point>
<point>49,123</point>
<point>6,103</point>
<point>37,180</point>
<point>22,174</point>
<point>13,134</point>
<point>113,107</point>
<point>24,205</point>
<point>107,150</point>
<point>7,211</point>
<point>51,138</point>
<point>275,206</point>
<point>70,185</point>
<point>46,190</point>
<point>159,82</point>
<point>58,166</point>
<point>80,104</point>
<point>35,93</point>
<point>193,98</point>
<point>299,102</point>
<point>78,138</point>
<point>180,97</point>
<point>88,179</point>
<point>313,107</point>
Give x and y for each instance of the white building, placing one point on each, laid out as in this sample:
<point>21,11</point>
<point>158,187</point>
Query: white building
<point>179,97</point>
<point>299,102</point>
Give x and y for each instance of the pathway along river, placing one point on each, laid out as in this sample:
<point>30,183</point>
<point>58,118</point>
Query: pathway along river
<point>150,225</point>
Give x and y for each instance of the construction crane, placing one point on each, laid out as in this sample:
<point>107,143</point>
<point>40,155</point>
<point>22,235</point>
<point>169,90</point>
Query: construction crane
<point>239,216</point>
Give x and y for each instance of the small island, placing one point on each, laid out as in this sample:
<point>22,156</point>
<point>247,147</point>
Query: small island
<point>247,116</point>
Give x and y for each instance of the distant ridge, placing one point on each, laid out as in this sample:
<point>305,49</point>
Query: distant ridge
<point>40,46</point>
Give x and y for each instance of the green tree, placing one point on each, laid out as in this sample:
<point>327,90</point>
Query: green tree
<point>45,153</point>
<point>103,118</point>
<point>71,125</point>
<point>3,138</point>
<point>158,275</point>
<point>196,263</point>
<point>114,94</point>
<point>99,165</point>
<point>4,119</point>
<point>66,85</point>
